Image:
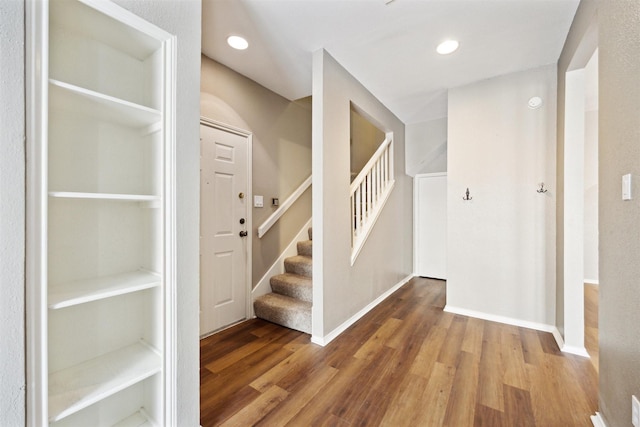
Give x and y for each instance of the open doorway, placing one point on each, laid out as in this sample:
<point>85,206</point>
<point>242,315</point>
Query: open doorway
<point>581,206</point>
<point>591,271</point>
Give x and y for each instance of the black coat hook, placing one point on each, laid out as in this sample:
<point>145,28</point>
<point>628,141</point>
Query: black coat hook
<point>466,196</point>
<point>541,189</point>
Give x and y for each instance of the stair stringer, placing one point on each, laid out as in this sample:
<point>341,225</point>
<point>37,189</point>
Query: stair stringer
<point>263,286</point>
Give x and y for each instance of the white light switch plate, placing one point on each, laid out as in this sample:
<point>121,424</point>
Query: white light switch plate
<point>626,189</point>
<point>258,201</point>
<point>635,411</point>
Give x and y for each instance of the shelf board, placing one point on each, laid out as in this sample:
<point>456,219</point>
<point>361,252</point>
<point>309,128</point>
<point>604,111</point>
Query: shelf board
<point>83,291</point>
<point>77,100</point>
<point>104,196</point>
<point>139,419</point>
<point>100,21</point>
<point>77,387</point>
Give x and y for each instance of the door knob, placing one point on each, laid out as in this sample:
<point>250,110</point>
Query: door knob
<point>243,233</point>
<point>241,195</point>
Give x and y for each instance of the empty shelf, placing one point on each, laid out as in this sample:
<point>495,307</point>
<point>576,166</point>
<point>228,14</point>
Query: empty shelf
<point>104,196</point>
<point>78,100</point>
<point>77,387</point>
<point>82,291</point>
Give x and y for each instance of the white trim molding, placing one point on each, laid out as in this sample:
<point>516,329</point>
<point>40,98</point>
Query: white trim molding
<point>500,319</point>
<point>522,324</point>
<point>323,341</point>
<point>283,208</point>
<point>597,420</point>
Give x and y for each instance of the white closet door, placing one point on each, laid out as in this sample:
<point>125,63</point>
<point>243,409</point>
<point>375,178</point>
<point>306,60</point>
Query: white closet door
<point>430,201</point>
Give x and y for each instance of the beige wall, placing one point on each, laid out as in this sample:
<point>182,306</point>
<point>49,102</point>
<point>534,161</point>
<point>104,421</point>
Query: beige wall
<point>281,151</point>
<point>365,140</point>
<point>341,290</point>
<point>619,154</point>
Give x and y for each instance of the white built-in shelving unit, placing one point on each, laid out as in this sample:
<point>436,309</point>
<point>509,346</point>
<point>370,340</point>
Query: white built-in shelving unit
<point>101,251</point>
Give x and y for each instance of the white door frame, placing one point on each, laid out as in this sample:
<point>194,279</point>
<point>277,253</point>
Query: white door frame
<point>205,121</point>
<point>574,143</point>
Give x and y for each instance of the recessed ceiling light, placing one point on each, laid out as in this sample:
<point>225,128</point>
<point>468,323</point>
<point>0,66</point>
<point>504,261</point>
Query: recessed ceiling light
<point>237,42</point>
<point>447,47</point>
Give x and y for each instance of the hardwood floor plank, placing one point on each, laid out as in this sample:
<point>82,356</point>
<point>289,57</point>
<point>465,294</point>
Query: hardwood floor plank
<point>450,350</point>
<point>415,366</point>
<point>214,412</point>
<point>291,363</point>
<point>297,402</point>
<point>515,373</point>
<point>462,403</point>
<point>422,402</point>
<point>591,323</point>
<point>428,354</point>
<point>518,410</point>
<point>373,345</point>
<point>532,351</point>
<point>256,410</point>
<point>489,417</point>
<point>321,403</point>
<point>491,377</point>
<point>355,393</point>
<point>373,409</point>
<point>472,342</point>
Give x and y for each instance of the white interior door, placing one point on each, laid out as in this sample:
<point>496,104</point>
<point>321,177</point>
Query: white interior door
<point>224,205</point>
<point>430,200</point>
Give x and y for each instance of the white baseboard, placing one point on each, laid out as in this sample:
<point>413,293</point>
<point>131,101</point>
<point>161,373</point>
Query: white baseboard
<point>264,286</point>
<point>353,319</point>
<point>578,351</point>
<point>558,337</point>
<point>597,420</point>
<point>500,319</point>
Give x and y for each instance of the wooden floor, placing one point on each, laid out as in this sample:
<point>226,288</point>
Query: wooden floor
<point>591,323</point>
<point>406,363</point>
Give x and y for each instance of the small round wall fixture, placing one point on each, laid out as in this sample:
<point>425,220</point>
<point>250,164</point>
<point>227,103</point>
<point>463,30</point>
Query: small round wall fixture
<point>535,102</point>
<point>237,42</point>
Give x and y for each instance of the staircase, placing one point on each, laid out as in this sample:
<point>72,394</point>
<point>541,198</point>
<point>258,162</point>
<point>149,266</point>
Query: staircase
<point>290,302</point>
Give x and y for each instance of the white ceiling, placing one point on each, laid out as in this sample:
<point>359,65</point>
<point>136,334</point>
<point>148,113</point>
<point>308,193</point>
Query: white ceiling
<point>389,48</point>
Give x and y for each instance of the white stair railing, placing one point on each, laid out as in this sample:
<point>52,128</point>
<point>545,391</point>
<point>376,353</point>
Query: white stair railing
<point>369,192</point>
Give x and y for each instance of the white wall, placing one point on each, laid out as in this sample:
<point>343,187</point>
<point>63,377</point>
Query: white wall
<point>12,234</point>
<point>426,147</point>
<point>501,245</point>
<point>591,172</point>
<point>340,291</point>
<point>183,18</point>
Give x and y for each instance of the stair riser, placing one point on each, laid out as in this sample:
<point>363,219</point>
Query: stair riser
<point>302,291</point>
<point>294,319</point>
<point>305,248</point>
<point>303,269</point>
